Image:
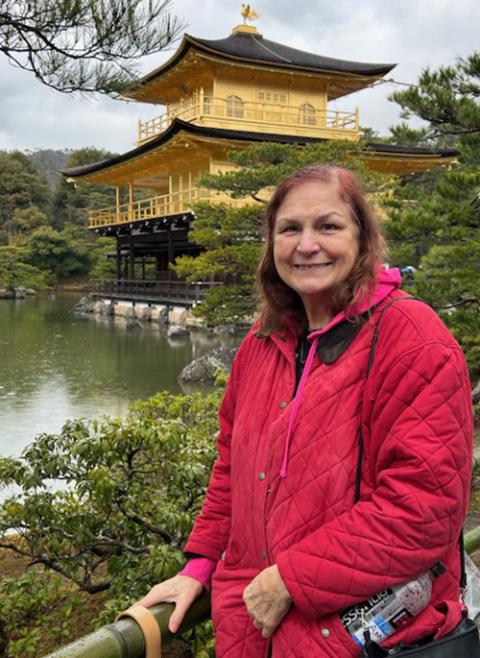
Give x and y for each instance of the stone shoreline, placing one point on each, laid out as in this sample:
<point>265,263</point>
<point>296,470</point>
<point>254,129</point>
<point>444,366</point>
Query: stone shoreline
<point>140,311</point>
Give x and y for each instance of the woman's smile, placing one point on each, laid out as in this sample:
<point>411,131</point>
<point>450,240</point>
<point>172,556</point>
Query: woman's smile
<point>310,266</point>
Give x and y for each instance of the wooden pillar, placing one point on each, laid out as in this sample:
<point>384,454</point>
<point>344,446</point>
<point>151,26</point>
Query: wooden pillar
<point>117,202</point>
<point>170,247</point>
<point>143,268</point>
<point>131,272</point>
<point>119,260</point>
<point>130,202</point>
<point>158,266</point>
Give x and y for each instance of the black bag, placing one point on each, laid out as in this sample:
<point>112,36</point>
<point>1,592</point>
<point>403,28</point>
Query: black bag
<point>463,641</point>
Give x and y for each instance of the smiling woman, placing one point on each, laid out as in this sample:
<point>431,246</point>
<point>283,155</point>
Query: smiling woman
<point>339,475</point>
<point>315,245</point>
<point>322,249</point>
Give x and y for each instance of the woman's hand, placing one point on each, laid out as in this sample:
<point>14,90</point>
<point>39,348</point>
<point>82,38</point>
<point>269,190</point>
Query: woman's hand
<point>267,600</point>
<point>181,590</point>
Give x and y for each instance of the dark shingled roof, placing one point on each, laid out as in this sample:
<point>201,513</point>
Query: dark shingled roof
<point>239,135</point>
<point>255,47</point>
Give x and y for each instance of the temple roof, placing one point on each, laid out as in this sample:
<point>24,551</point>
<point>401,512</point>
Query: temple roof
<point>254,49</point>
<point>177,125</point>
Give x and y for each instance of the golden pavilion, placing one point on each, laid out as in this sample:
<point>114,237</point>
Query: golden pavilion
<point>219,96</point>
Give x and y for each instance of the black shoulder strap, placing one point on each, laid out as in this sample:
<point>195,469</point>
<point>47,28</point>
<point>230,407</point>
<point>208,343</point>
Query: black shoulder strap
<point>358,478</point>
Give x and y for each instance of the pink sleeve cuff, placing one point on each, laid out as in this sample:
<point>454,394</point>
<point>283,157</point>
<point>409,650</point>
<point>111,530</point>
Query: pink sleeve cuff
<point>200,568</point>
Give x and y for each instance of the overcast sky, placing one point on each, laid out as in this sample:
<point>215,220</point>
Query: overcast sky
<point>413,33</point>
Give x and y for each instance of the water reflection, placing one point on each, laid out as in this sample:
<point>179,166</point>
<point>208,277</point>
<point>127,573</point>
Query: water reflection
<point>56,366</point>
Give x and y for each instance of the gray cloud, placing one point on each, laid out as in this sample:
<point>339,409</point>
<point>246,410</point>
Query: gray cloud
<point>415,33</point>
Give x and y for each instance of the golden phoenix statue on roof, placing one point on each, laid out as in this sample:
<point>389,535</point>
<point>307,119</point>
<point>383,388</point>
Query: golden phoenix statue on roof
<point>248,13</point>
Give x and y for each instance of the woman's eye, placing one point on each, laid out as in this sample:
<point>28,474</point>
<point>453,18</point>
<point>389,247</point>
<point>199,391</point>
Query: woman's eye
<point>288,229</point>
<point>329,227</point>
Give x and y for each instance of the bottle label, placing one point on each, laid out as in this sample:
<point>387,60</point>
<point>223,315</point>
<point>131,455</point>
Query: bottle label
<point>383,614</point>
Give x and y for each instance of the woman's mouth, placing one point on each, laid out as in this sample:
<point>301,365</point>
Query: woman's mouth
<point>311,266</point>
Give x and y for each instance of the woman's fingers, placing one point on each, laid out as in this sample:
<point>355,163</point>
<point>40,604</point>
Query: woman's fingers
<point>267,600</point>
<point>161,593</point>
<point>180,590</point>
<point>181,607</point>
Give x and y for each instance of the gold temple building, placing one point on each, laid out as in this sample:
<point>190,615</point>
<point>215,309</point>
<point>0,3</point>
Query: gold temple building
<point>221,95</point>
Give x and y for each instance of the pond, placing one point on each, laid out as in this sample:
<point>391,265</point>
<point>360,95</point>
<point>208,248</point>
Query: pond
<point>56,365</point>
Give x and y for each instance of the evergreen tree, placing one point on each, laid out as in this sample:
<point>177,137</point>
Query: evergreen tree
<point>435,221</point>
<point>60,253</point>
<point>23,197</point>
<point>70,203</point>
<point>85,46</point>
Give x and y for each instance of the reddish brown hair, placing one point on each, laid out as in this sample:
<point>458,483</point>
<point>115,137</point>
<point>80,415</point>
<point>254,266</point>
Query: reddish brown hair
<point>279,303</point>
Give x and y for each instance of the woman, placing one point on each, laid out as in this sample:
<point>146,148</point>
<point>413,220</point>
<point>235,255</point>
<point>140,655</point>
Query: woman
<point>289,547</point>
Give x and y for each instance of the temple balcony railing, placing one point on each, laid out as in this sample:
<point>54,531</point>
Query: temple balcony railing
<point>236,114</point>
<point>163,292</point>
<point>161,205</point>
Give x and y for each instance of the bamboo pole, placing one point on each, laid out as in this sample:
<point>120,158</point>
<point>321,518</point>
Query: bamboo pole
<point>124,639</point>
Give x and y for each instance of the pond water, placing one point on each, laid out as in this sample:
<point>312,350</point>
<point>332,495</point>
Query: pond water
<point>56,365</point>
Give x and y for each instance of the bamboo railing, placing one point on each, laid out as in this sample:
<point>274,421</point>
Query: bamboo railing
<point>124,639</point>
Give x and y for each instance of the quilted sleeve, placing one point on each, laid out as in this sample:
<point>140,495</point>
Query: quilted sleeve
<point>419,461</point>
<point>212,526</point>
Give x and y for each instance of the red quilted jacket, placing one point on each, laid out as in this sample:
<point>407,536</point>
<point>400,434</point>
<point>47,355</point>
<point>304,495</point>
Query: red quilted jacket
<point>415,411</point>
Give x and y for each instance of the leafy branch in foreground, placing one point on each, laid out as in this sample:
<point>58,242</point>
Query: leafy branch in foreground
<point>88,46</point>
<point>124,498</point>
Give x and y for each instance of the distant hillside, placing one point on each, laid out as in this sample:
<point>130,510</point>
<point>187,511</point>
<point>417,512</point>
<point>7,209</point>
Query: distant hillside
<point>49,162</point>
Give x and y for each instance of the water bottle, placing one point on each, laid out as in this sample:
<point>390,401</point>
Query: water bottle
<point>389,610</point>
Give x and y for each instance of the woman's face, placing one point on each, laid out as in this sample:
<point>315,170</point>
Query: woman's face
<point>315,242</point>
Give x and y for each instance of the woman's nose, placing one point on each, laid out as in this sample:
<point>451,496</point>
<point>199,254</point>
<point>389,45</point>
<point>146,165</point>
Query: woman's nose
<point>308,243</point>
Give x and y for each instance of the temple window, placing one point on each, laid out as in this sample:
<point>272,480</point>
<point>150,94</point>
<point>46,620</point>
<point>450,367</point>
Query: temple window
<point>307,114</point>
<point>274,97</point>
<point>234,107</point>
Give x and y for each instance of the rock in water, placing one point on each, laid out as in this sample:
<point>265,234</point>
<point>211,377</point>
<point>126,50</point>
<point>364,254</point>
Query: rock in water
<point>177,331</point>
<point>204,369</point>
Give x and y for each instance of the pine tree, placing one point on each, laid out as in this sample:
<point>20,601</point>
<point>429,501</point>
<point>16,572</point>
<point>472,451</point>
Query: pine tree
<point>436,216</point>
<point>85,46</point>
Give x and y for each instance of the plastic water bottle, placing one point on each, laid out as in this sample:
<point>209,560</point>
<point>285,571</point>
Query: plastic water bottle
<point>389,610</point>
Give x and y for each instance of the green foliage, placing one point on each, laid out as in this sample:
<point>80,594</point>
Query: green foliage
<point>130,492</point>
<point>14,272</point>
<point>48,226</point>
<point>231,234</point>
<point>49,162</point>
<point>70,203</point>
<point>85,46</point>
<point>434,225</point>
<point>103,268</point>
<point>23,196</point>
<point>446,98</point>
<point>58,253</point>
<point>35,609</point>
